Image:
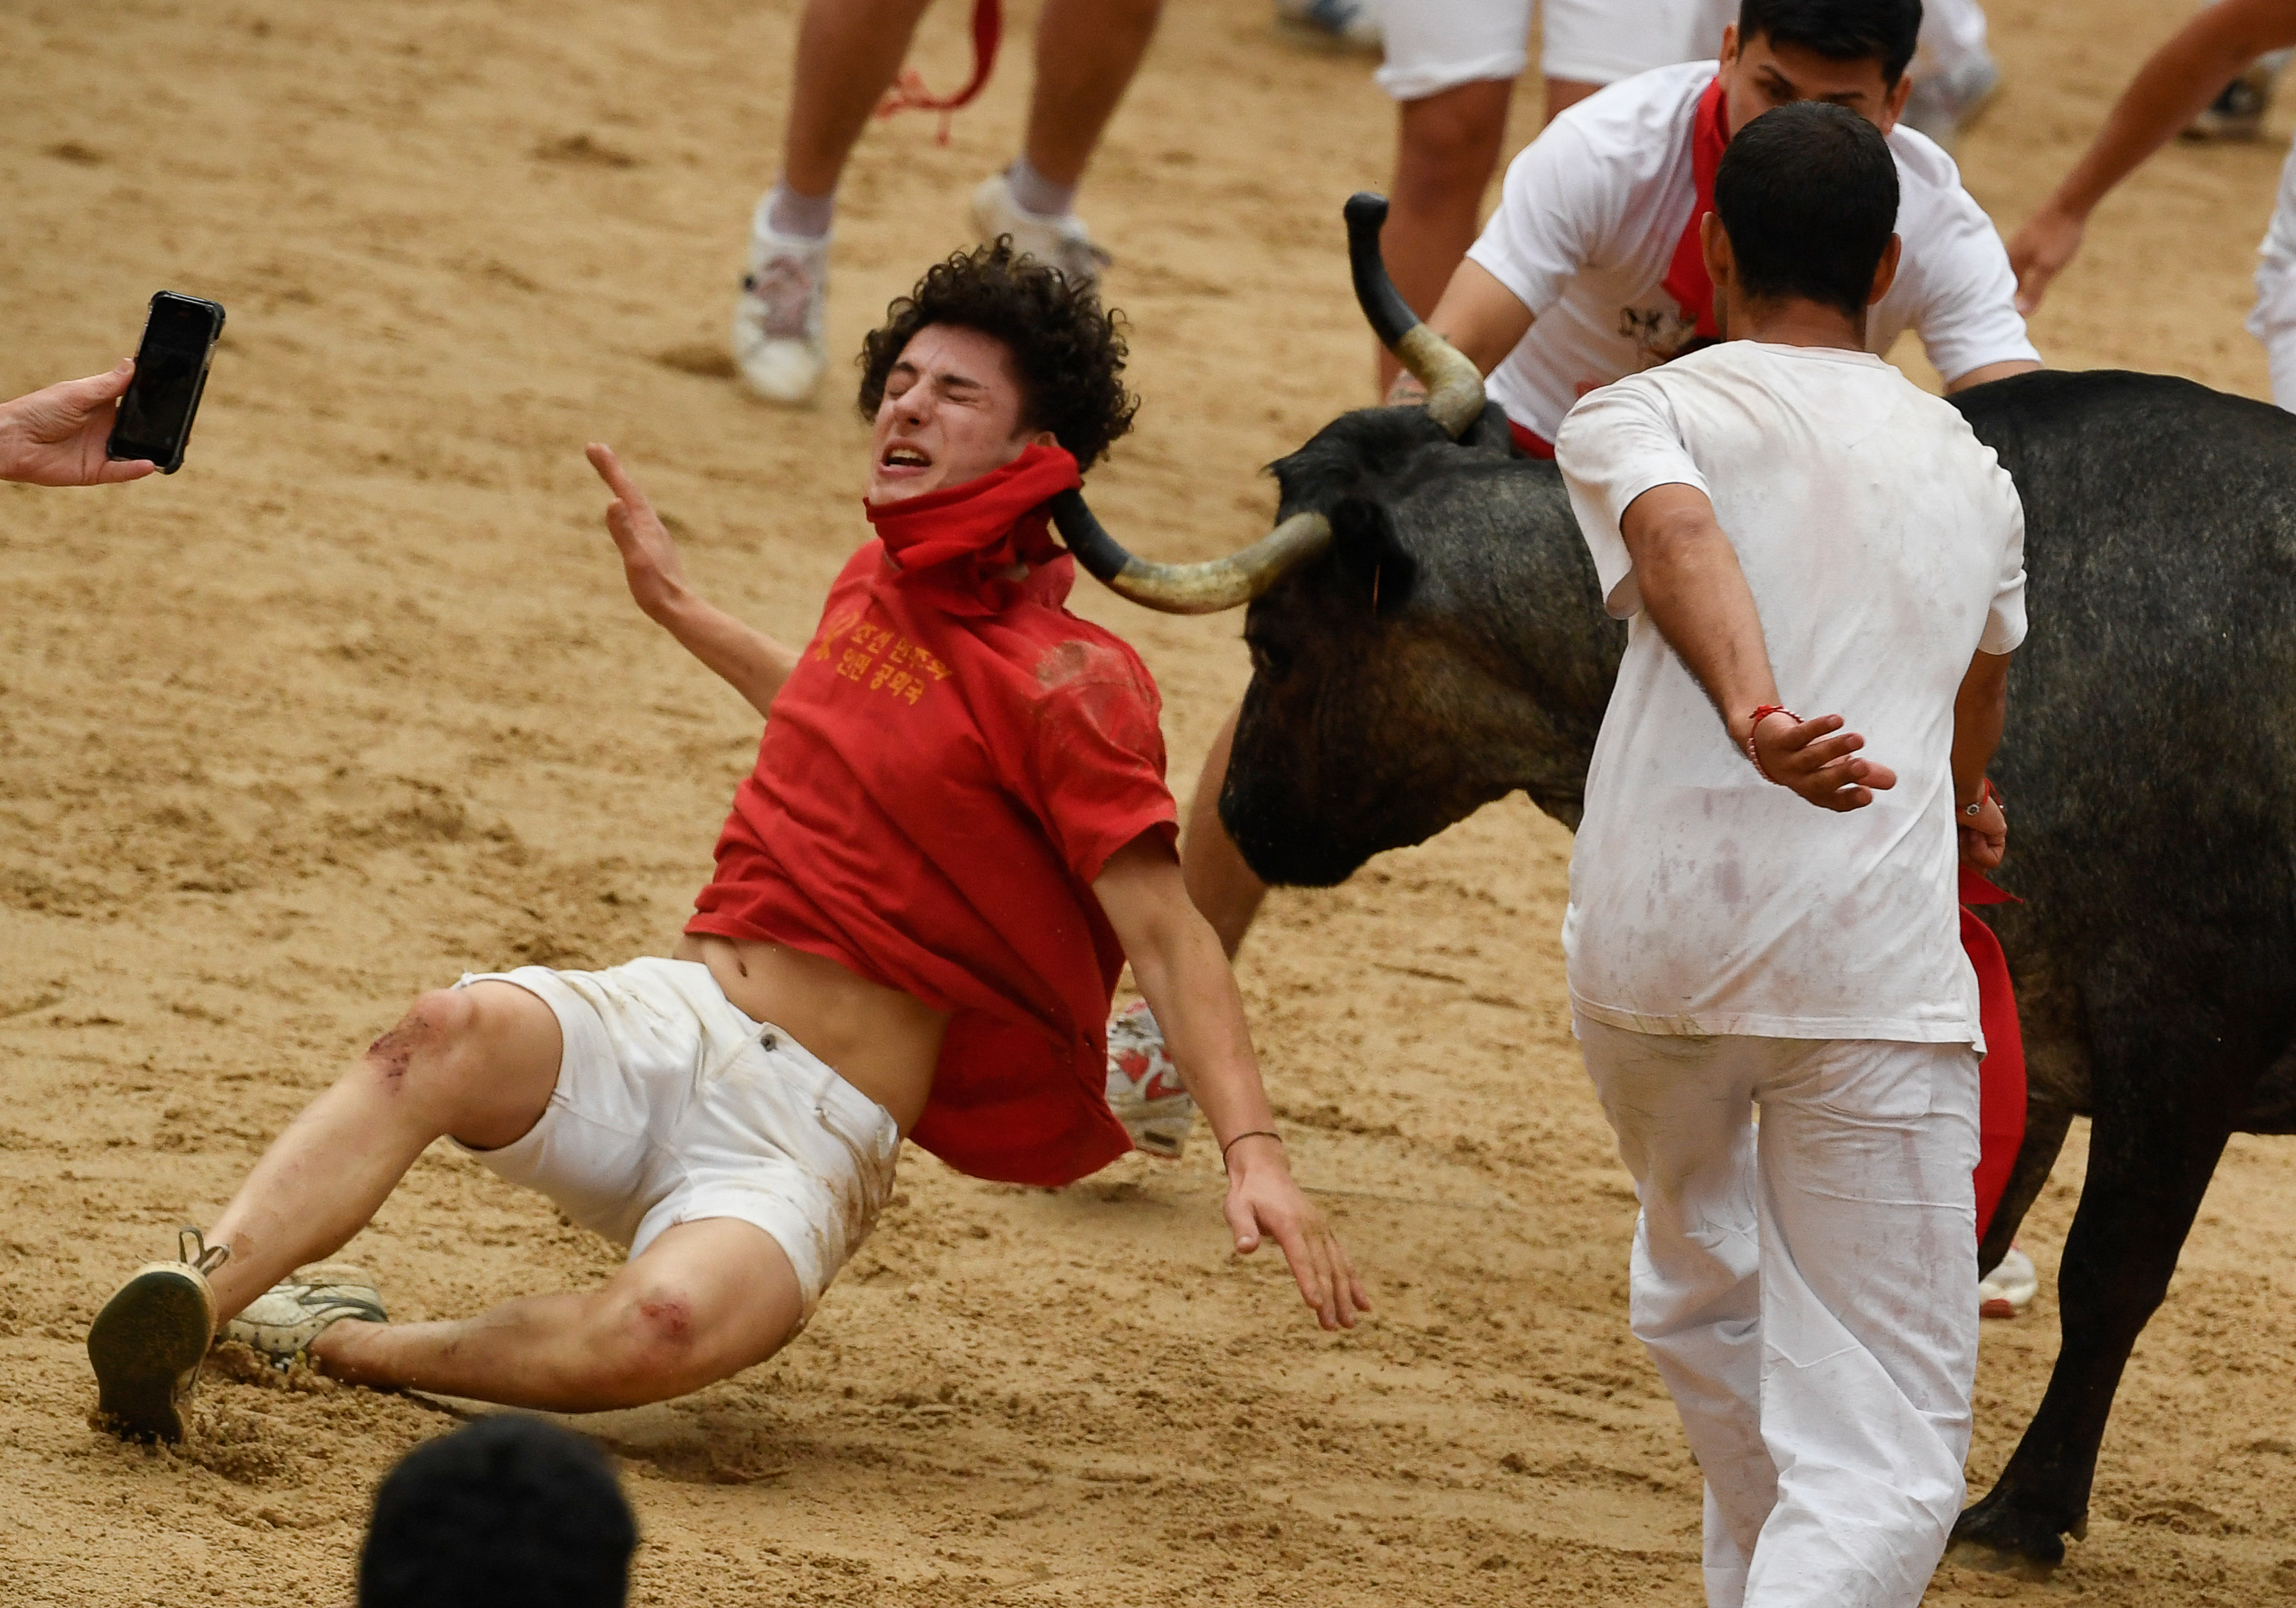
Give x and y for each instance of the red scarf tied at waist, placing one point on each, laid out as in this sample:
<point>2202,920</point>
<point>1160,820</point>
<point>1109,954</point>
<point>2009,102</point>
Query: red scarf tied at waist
<point>961,539</point>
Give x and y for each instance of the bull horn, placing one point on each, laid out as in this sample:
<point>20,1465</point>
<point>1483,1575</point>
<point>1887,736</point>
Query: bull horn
<point>1202,588</point>
<point>1455,386</point>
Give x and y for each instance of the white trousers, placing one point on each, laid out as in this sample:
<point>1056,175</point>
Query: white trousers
<point>1804,1288</point>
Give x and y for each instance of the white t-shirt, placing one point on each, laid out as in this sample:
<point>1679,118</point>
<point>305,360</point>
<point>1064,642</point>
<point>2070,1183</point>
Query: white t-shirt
<point>1594,207</point>
<point>1884,545</point>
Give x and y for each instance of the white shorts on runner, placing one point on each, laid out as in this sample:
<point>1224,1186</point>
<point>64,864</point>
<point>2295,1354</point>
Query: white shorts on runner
<point>1438,45</point>
<point>672,1106</point>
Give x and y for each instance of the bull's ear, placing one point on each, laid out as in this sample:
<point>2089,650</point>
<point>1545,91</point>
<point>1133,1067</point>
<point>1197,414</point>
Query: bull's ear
<point>1371,559</point>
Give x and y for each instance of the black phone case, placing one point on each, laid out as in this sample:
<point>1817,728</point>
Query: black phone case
<point>214,309</point>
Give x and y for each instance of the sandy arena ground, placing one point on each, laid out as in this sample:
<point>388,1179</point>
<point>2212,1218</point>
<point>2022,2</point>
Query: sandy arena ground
<point>358,703</point>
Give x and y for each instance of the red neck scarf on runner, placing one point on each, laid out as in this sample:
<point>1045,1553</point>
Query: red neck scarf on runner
<point>961,538</point>
<point>1686,279</point>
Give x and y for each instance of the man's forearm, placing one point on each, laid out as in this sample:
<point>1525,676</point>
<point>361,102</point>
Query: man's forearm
<point>1184,976</point>
<point>1697,596</point>
<point>754,664</point>
<point>2171,89</point>
<point>1980,709</point>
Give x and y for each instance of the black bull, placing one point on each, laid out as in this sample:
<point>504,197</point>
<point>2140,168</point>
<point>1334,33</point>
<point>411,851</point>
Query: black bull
<point>1449,647</point>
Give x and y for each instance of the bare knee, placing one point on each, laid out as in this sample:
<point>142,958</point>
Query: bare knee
<point>1451,142</point>
<point>412,1059</point>
<point>646,1343</point>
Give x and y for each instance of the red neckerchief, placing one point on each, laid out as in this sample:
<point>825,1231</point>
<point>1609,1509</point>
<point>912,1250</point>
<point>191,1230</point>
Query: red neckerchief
<point>1685,276</point>
<point>962,537</point>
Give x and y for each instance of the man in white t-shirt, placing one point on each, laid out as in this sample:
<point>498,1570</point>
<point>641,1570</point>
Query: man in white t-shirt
<point>1784,517</point>
<point>1451,66</point>
<point>1590,270</point>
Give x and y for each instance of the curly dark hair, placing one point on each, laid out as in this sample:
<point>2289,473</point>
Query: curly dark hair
<point>1069,352</point>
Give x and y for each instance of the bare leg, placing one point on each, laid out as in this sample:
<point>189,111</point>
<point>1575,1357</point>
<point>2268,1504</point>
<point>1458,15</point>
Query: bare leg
<point>1447,146</point>
<point>1220,885</point>
<point>1563,93</point>
<point>849,52</point>
<point>478,1062</point>
<point>707,1299</point>
<point>1087,53</point>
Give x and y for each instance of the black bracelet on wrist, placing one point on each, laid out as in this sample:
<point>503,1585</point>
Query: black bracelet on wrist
<point>1256,1133</point>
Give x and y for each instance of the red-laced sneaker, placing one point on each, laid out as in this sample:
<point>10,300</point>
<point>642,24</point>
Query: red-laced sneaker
<point>2010,1288</point>
<point>1144,1092</point>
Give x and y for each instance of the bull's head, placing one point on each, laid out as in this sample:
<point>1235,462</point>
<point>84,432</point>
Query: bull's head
<point>1403,675</point>
<point>1454,400</point>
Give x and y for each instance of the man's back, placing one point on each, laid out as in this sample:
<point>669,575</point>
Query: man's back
<point>1883,545</point>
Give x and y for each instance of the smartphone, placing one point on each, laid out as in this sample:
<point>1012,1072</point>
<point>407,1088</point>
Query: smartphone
<point>171,371</point>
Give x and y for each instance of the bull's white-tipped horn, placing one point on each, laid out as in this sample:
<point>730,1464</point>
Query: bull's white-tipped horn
<point>1201,588</point>
<point>1455,386</point>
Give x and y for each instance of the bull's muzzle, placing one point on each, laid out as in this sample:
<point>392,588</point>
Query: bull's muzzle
<point>1454,400</point>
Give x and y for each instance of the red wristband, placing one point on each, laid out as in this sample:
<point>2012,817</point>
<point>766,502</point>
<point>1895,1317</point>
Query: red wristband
<point>1755,754</point>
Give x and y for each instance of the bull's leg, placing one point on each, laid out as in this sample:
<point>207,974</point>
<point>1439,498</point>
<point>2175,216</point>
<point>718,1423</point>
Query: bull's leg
<point>2045,1137</point>
<point>2149,1165</point>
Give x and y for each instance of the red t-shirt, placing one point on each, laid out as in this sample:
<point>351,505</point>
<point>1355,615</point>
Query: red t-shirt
<point>948,768</point>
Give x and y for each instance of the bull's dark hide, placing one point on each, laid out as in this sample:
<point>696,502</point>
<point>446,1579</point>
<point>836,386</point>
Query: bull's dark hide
<point>1450,648</point>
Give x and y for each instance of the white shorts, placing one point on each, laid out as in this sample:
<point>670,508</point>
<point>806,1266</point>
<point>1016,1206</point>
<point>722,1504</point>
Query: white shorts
<point>1438,45</point>
<point>672,1106</point>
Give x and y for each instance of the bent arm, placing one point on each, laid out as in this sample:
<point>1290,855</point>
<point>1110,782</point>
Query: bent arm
<point>1478,316</point>
<point>752,663</point>
<point>1984,372</point>
<point>1697,596</point>
<point>1980,709</point>
<point>2167,92</point>
<point>1181,969</point>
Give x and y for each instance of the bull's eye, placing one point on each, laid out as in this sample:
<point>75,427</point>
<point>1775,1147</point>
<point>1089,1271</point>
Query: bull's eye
<point>1268,659</point>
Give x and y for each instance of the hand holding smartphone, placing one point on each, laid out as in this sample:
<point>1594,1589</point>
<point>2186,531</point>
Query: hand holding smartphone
<point>171,371</point>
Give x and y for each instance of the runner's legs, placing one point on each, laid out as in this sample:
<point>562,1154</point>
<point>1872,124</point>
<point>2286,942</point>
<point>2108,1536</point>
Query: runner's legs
<point>704,1300</point>
<point>1446,148</point>
<point>1087,52</point>
<point>849,52</point>
<point>477,1064</point>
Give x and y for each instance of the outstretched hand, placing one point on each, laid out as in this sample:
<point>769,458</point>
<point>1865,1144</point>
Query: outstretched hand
<point>57,436</point>
<point>1263,1202</point>
<point>1818,760</point>
<point>2040,252</point>
<point>650,560</point>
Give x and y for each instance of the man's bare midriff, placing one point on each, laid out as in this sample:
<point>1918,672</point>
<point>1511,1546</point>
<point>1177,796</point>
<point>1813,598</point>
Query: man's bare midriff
<point>880,1040</point>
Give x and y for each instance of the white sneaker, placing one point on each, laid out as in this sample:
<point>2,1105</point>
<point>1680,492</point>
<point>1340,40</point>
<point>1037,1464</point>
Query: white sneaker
<point>281,1323</point>
<point>1060,243</point>
<point>2238,112</point>
<point>1344,24</point>
<point>1144,1092</point>
<point>779,345</point>
<point>2010,1288</point>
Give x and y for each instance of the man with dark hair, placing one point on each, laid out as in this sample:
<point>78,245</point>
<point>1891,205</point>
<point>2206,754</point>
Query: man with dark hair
<point>1782,517</point>
<point>505,1512</point>
<point>956,834</point>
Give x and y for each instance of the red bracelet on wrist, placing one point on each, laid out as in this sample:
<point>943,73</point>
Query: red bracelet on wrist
<point>1761,714</point>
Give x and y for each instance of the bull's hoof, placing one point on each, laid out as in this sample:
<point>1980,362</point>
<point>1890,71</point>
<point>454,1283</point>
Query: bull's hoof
<point>2000,1538</point>
<point>1993,1560</point>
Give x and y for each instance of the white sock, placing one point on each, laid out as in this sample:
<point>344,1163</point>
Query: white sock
<point>803,217</point>
<point>1034,194</point>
